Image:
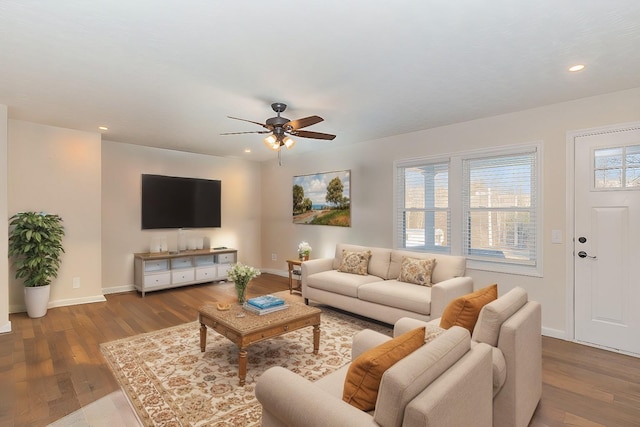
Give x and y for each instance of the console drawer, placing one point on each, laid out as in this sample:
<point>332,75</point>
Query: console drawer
<point>160,279</point>
<point>182,276</point>
<point>226,258</point>
<point>206,273</point>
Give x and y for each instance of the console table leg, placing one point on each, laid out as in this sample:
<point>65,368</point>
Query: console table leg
<point>242,365</point>
<point>203,337</point>
<point>316,338</point>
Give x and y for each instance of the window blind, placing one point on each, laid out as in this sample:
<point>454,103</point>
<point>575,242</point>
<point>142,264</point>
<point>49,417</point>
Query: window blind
<point>423,219</point>
<point>499,200</point>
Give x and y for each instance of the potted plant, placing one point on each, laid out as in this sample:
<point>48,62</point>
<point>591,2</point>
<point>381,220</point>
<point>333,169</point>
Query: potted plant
<point>35,243</point>
<point>304,250</point>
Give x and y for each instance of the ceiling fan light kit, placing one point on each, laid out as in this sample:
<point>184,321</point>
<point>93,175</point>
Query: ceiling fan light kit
<point>282,129</point>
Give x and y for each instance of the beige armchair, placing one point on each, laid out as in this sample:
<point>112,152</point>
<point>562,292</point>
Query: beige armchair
<point>512,326</point>
<point>443,383</point>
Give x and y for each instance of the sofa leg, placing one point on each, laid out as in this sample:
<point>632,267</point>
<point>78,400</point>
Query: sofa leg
<point>306,301</point>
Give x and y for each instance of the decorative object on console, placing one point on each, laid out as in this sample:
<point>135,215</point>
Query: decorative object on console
<point>304,250</point>
<point>315,207</point>
<point>35,243</point>
<point>242,274</point>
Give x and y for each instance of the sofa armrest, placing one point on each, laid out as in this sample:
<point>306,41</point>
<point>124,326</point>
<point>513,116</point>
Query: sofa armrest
<point>444,292</point>
<point>315,266</point>
<point>365,340</point>
<point>290,400</point>
<point>461,396</point>
<point>520,341</point>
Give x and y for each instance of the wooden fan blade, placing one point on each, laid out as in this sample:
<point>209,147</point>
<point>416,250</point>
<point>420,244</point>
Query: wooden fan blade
<point>251,121</point>
<point>238,133</point>
<point>303,123</point>
<point>314,135</point>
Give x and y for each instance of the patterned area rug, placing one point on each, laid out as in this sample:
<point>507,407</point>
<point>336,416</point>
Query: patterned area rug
<point>171,383</point>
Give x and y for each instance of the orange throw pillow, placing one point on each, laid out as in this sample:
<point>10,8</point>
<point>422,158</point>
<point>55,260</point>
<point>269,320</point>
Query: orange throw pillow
<point>464,311</point>
<point>365,372</point>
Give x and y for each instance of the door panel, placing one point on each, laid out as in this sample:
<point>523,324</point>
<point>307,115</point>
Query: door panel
<point>607,241</point>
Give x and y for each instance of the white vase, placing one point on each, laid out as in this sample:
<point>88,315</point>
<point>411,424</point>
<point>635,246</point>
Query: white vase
<point>37,300</point>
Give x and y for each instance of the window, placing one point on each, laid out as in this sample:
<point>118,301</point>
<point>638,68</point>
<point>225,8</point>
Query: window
<point>616,168</point>
<point>483,205</point>
<point>424,217</point>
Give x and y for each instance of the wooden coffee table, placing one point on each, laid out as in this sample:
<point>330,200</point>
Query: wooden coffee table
<point>252,328</point>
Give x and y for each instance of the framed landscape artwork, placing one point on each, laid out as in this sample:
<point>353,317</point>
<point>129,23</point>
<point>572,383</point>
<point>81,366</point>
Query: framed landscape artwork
<point>322,199</point>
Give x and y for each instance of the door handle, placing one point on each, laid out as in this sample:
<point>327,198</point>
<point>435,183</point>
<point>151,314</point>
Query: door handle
<point>583,254</point>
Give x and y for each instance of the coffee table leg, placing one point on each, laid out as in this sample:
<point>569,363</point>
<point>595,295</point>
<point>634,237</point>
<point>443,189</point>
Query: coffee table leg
<point>203,337</point>
<point>242,365</point>
<point>316,338</point>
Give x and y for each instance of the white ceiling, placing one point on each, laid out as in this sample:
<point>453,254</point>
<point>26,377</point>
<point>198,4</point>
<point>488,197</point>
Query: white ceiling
<point>167,73</point>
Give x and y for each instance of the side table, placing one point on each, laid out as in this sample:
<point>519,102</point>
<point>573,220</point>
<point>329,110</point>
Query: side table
<point>295,270</point>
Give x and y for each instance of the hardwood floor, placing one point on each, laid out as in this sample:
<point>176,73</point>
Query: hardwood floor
<point>52,366</point>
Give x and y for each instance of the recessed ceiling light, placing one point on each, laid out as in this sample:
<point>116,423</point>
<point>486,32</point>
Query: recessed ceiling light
<point>247,150</point>
<point>103,128</point>
<point>577,67</point>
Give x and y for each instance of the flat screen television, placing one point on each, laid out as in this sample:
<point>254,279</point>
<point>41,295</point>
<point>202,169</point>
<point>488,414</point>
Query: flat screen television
<point>175,202</point>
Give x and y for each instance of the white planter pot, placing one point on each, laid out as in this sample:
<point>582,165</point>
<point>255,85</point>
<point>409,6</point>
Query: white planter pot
<point>37,300</point>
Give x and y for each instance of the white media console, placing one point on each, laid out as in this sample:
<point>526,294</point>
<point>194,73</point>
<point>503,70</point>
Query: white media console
<point>155,271</point>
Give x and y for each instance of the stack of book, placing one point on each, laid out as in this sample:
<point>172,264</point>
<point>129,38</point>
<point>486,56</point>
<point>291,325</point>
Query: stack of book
<point>265,304</point>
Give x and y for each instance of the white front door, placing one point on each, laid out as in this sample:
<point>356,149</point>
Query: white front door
<point>607,239</point>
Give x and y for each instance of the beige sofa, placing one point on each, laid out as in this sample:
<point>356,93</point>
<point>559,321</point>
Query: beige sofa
<point>444,383</point>
<point>379,295</point>
<point>512,326</point>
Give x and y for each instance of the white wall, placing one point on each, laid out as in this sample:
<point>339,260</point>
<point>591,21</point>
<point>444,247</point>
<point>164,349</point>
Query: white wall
<point>122,166</point>
<point>58,171</point>
<point>371,165</point>
<point>5,324</point>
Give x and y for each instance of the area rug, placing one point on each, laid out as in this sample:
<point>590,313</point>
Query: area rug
<point>169,382</point>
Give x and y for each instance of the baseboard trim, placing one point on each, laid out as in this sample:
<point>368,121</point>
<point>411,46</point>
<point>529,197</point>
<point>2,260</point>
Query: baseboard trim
<point>554,333</point>
<point>76,301</point>
<point>21,308</point>
<point>6,328</point>
<point>118,289</point>
<point>283,273</point>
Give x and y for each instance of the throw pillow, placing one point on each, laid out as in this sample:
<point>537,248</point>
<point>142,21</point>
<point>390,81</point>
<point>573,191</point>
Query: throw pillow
<point>464,311</point>
<point>416,270</point>
<point>365,372</point>
<point>355,262</point>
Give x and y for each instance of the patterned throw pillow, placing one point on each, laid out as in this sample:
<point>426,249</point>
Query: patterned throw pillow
<point>416,270</point>
<point>355,262</point>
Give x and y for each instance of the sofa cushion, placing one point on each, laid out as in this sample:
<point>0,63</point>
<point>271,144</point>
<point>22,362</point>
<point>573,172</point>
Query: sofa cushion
<point>416,270</point>
<point>391,293</point>
<point>464,311</point>
<point>493,315</point>
<point>355,262</point>
<point>339,283</point>
<point>365,372</point>
<point>378,263</point>
<point>447,266</point>
<point>406,379</point>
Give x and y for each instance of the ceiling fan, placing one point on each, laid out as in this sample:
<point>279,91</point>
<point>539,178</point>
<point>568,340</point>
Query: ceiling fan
<point>281,129</point>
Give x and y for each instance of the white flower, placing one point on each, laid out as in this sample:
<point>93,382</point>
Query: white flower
<point>304,248</point>
<point>242,274</point>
